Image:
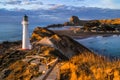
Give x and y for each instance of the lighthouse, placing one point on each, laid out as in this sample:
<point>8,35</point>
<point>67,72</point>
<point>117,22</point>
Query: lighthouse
<point>25,34</point>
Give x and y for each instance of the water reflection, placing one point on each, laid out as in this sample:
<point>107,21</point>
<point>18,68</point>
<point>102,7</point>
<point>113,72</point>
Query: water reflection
<point>108,46</point>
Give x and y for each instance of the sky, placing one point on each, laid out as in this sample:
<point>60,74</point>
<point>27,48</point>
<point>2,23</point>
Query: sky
<point>47,4</point>
<point>58,11</point>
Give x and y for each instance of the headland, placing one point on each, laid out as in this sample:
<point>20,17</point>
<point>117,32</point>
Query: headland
<point>75,61</point>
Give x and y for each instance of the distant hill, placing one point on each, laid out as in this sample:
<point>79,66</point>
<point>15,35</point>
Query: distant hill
<point>110,21</point>
<point>75,21</point>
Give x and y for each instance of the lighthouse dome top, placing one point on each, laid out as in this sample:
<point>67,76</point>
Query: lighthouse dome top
<point>25,18</point>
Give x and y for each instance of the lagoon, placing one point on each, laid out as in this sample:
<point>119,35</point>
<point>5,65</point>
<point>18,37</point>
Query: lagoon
<point>107,46</point>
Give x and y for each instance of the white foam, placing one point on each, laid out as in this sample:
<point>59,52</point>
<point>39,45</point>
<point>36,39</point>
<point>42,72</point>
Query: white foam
<point>114,36</point>
<point>99,37</point>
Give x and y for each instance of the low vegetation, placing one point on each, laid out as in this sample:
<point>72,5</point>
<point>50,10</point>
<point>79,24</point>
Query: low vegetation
<point>88,66</point>
<point>14,64</point>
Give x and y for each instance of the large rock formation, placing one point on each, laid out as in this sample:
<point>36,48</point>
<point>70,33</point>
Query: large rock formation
<point>75,21</point>
<point>67,46</point>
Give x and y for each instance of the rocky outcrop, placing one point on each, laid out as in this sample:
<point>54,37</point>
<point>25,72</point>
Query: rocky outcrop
<point>40,33</point>
<point>67,46</point>
<point>75,21</point>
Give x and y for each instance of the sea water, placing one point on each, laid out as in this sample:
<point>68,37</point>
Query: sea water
<point>13,31</point>
<point>108,46</point>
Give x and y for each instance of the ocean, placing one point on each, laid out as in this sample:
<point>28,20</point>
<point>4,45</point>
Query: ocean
<point>13,31</point>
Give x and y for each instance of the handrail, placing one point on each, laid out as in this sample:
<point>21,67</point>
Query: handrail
<point>48,72</point>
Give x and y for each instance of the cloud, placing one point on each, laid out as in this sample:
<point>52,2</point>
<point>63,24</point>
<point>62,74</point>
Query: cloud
<point>21,4</point>
<point>59,14</point>
<point>55,6</point>
<point>11,2</point>
<point>79,0</point>
<point>30,2</point>
<point>25,2</point>
<point>101,4</point>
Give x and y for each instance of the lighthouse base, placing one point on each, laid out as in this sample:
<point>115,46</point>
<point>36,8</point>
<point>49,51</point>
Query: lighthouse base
<point>25,49</point>
<point>21,49</point>
<point>29,48</point>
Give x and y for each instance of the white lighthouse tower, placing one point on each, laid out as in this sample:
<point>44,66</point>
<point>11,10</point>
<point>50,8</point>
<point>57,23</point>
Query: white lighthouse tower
<point>25,35</point>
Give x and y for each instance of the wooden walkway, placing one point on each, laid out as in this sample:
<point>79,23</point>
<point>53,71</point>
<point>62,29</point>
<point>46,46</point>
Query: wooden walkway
<point>51,73</point>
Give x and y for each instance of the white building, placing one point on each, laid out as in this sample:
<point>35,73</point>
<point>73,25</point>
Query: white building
<point>25,35</point>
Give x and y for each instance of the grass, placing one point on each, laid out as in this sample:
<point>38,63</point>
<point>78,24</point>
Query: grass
<point>88,66</point>
<point>12,66</point>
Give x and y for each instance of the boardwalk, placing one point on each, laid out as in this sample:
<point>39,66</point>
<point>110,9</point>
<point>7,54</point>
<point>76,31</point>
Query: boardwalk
<point>54,74</point>
<point>51,73</point>
<point>47,73</point>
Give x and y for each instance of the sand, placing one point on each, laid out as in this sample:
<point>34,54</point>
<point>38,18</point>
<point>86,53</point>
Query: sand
<point>81,35</point>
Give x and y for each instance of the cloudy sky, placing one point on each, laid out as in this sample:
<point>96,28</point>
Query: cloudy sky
<point>58,11</point>
<point>47,4</point>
